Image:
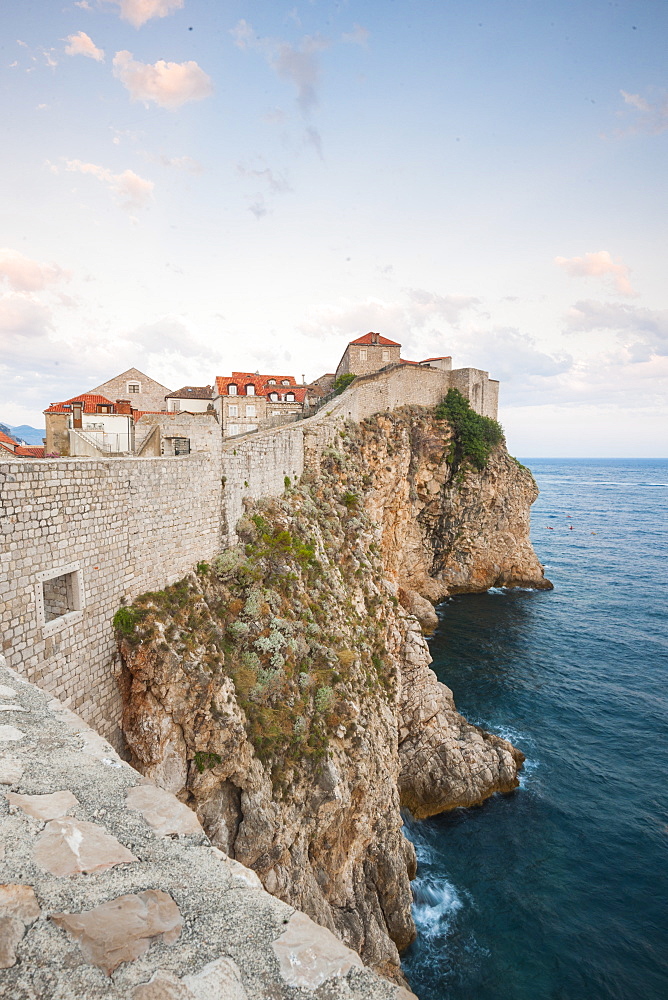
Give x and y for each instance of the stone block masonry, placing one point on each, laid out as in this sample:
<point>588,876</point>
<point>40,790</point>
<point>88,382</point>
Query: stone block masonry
<point>126,526</point>
<point>120,526</point>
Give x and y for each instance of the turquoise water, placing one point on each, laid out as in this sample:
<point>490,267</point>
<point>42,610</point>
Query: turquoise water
<point>559,891</point>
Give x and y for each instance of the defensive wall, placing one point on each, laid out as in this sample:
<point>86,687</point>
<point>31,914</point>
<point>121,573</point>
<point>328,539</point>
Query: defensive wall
<point>114,528</point>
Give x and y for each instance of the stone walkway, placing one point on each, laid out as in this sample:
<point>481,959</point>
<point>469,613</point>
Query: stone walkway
<point>111,888</point>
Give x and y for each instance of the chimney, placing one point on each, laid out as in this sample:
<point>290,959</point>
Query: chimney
<point>123,406</point>
<point>374,338</point>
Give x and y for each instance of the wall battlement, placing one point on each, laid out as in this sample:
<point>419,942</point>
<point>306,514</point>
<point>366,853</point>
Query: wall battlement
<point>118,527</point>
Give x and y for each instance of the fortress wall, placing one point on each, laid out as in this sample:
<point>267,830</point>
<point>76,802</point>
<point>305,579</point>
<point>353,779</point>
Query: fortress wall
<point>256,465</point>
<point>115,528</point>
<point>118,527</point>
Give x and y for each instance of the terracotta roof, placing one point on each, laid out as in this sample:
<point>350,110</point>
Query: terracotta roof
<point>192,392</point>
<point>367,340</point>
<point>402,361</point>
<point>7,440</point>
<point>298,391</point>
<point>259,382</point>
<point>441,357</point>
<point>90,402</point>
<point>30,451</point>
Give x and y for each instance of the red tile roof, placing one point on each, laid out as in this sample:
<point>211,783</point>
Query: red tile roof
<point>30,451</point>
<point>402,361</point>
<point>259,382</point>
<point>441,357</point>
<point>367,340</point>
<point>90,402</point>
<point>7,440</point>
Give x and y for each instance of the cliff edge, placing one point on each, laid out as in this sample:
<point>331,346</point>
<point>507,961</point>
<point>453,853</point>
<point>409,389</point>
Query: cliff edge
<point>284,692</point>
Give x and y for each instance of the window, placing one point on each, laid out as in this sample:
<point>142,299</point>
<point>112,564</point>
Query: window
<point>233,429</point>
<point>59,597</point>
<point>286,381</point>
<point>386,355</point>
<point>273,396</point>
<point>271,381</point>
<point>176,405</point>
<point>289,397</point>
<point>231,390</point>
<point>250,390</point>
<point>362,355</point>
<point>233,410</point>
<point>134,386</point>
<point>101,408</point>
<point>250,411</point>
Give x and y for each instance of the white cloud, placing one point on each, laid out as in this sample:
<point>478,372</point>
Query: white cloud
<point>652,115</point>
<point>168,84</point>
<point>276,182</point>
<point>26,275</point>
<point>644,332</point>
<point>599,265</point>
<point>138,12</point>
<point>186,163</point>
<point>22,316</point>
<point>358,36</point>
<point>297,65</point>
<point>132,191</point>
<point>82,4</point>
<point>82,44</point>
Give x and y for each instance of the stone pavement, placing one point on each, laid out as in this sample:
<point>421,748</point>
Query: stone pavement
<point>110,888</point>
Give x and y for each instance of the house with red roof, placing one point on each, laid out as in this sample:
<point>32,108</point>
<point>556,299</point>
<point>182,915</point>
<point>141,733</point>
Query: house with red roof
<point>8,446</point>
<point>245,401</point>
<point>89,425</point>
<point>371,352</point>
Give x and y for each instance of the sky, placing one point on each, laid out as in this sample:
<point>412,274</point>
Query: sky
<point>193,187</point>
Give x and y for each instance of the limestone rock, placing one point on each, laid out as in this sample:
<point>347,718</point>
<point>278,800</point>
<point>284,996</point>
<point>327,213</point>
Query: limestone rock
<point>18,909</point>
<point>11,770</point>
<point>393,530</point>
<point>50,806</point>
<point>420,608</point>
<point>163,811</point>
<point>308,954</point>
<point>69,845</point>
<point>122,929</point>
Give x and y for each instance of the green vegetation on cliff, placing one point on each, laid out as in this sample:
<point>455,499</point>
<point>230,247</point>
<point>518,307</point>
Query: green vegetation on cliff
<point>474,436</point>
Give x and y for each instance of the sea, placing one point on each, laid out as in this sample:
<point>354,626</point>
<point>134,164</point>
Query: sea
<point>559,890</point>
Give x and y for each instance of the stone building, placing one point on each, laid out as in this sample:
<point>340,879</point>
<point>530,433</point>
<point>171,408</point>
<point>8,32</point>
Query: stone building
<point>190,399</point>
<point>89,425</point>
<point>245,401</point>
<point>368,354</point>
<point>143,392</point>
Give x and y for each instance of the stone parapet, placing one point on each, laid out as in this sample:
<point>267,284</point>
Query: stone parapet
<point>110,888</point>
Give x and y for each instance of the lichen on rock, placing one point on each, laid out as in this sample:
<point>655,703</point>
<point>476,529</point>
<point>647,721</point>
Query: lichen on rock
<point>285,693</point>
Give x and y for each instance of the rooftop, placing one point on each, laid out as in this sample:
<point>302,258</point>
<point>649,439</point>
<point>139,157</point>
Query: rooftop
<point>375,338</point>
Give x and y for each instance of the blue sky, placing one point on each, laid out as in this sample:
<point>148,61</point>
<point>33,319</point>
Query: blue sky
<point>193,187</point>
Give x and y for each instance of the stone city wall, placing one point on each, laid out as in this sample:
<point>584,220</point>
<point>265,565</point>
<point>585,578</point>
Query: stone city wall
<point>124,526</point>
<point>121,526</point>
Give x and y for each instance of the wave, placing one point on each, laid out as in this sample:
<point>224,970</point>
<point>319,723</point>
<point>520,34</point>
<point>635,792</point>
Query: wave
<point>435,904</point>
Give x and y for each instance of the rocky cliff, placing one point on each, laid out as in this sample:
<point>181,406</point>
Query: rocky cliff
<point>285,692</point>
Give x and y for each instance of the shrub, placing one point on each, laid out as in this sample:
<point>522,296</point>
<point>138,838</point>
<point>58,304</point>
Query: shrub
<point>474,436</point>
<point>342,382</point>
<point>350,500</point>
<point>227,562</point>
<point>324,697</point>
<point>126,620</point>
